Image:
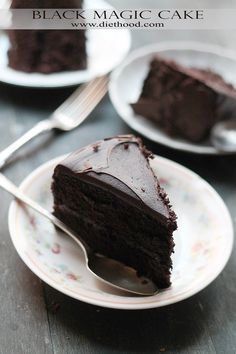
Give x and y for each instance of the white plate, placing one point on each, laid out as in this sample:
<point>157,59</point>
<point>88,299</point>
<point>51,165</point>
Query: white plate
<point>105,49</point>
<point>203,241</point>
<point>124,91</point>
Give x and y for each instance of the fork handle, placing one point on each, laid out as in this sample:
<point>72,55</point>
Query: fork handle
<point>42,126</point>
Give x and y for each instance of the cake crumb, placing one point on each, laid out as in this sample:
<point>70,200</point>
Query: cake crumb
<point>95,148</point>
<point>162,350</point>
<point>126,146</point>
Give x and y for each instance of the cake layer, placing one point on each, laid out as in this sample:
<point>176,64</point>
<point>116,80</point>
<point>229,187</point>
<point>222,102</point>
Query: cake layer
<point>47,51</point>
<point>184,102</point>
<point>113,227</point>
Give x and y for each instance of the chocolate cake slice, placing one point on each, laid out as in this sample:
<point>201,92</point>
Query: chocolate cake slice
<point>47,51</point>
<point>109,195</point>
<point>184,102</point>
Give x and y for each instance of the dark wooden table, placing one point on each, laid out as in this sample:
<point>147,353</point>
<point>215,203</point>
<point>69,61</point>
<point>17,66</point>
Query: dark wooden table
<point>36,319</point>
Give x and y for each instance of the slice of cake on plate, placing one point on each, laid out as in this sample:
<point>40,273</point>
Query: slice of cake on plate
<point>47,51</point>
<point>109,195</point>
<point>183,102</point>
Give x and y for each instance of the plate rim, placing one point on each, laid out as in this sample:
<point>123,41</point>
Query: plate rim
<point>145,50</point>
<point>44,84</point>
<point>112,304</point>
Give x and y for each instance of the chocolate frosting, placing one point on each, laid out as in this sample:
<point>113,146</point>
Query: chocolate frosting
<point>206,77</point>
<point>121,163</point>
<point>184,102</point>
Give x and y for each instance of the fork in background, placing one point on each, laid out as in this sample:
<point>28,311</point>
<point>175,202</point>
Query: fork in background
<point>66,117</point>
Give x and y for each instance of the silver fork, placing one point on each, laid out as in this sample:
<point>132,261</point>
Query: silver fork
<point>66,117</point>
<point>105,269</point>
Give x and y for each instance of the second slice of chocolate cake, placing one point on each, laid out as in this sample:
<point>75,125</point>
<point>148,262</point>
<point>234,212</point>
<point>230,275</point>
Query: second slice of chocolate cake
<point>108,194</point>
<point>184,102</point>
<point>47,51</point>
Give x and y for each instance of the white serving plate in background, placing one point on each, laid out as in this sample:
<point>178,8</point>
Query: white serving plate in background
<point>105,50</point>
<point>127,81</point>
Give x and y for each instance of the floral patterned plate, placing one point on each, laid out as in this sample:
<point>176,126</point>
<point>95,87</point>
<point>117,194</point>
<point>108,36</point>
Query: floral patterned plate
<point>203,240</point>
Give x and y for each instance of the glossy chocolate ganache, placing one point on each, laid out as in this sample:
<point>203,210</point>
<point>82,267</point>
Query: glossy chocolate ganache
<point>108,193</point>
